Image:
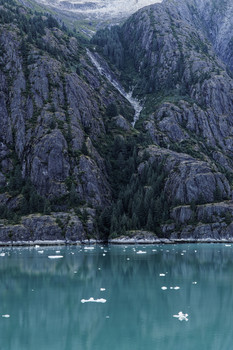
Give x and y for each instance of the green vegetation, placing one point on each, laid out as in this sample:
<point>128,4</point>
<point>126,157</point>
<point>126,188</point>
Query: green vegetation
<point>139,200</point>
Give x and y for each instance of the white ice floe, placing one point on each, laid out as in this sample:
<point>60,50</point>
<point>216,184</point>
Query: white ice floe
<point>37,246</point>
<point>6,316</point>
<point>75,272</point>
<point>194,282</point>
<point>163,288</point>
<point>107,317</point>
<point>162,274</point>
<point>99,268</point>
<point>141,252</point>
<point>102,289</point>
<point>176,287</point>
<point>89,248</point>
<point>182,254</point>
<point>92,300</point>
<point>40,251</point>
<point>72,253</point>
<point>58,251</point>
<point>227,245</point>
<point>154,250</point>
<point>104,254</point>
<point>2,254</point>
<point>181,316</point>
<point>55,256</point>
<point>128,258</point>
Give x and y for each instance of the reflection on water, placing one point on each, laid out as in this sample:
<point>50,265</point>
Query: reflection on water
<point>43,298</point>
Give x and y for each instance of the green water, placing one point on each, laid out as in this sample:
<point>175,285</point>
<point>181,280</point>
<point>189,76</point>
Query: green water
<point>43,298</point>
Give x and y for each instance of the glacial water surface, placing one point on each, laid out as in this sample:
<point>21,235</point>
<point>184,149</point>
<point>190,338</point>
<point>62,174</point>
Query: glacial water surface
<point>45,301</point>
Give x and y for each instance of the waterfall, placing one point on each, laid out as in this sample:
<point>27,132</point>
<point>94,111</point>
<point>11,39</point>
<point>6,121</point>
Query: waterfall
<point>128,95</point>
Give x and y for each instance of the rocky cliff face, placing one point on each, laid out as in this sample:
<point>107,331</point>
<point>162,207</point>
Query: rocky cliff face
<point>52,103</point>
<point>177,57</point>
<point>68,149</point>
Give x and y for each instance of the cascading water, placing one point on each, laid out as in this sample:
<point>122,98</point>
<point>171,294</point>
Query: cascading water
<point>128,95</point>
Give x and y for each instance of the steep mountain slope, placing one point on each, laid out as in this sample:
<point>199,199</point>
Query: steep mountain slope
<point>52,107</point>
<point>169,59</point>
<point>72,164</point>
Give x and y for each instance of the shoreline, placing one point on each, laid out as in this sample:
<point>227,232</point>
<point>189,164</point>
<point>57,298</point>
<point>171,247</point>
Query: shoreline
<point>128,241</point>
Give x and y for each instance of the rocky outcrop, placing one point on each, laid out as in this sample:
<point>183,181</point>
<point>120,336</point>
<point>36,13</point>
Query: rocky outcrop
<point>188,179</point>
<point>57,226</point>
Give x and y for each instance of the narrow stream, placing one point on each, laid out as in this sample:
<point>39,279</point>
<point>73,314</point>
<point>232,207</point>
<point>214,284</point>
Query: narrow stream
<point>128,95</point>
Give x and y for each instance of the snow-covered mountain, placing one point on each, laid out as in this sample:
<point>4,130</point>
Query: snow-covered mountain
<point>98,8</point>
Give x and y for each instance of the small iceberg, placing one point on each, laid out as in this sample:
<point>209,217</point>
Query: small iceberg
<point>55,256</point>
<point>92,300</point>
<point>6,316</point>
<point>2,254</point>
<point>181,316</point>
<point>194,282</point>
<point>227,245</point>
<point>162,274</point>
<point>89,248</point>
<point>163,288</point>
<point>141,252</point>
<point>102,289</point>
<point>40,251</point>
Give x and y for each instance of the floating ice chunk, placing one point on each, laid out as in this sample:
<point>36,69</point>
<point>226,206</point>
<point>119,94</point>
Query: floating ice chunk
<point>167,251</point>
<point>141,252</point>
<point>102,289</point>
<point>162,274</point>
<point>154,250</point>
<point>92,300</point>
<point>40,251</point>
<point>55,256</point>
<point>182,254</point>
<point>176,287</point>
<point>128,258</point>
<point>107,317</point>
<point>104,254</point>
<point>6,316</point>
<point>89,248</point>
<point>72,253</point>
<point>99,268</point>
<point>194,282</point>
<point>37,246</point>
<point>227,245</point>
<point>2,254</point>
<point>75,272</point>
<point>181,316</point>
<point>195,251</point>
<point>163,288</point>
<point>58,251</point>
<point>171,287</point>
